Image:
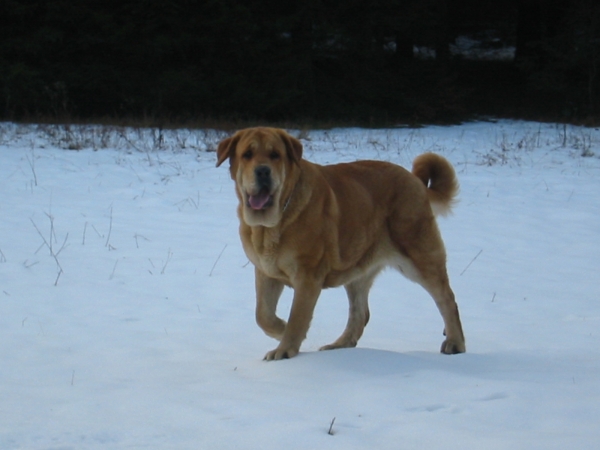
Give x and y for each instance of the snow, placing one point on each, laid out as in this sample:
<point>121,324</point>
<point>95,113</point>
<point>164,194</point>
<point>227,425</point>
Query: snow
<point>127,303</point>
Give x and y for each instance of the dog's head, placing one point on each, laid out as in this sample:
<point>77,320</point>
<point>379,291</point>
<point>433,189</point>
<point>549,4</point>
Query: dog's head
<point>261,162</point>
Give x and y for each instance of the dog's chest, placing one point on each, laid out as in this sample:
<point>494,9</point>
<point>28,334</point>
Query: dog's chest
<point>262,246</point>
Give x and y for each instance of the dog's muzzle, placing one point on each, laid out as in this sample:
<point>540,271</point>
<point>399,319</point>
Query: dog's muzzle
<point>263,199</point>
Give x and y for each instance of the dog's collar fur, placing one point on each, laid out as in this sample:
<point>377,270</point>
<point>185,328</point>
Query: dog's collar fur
<point>287,202</point>
<point>289,199</point>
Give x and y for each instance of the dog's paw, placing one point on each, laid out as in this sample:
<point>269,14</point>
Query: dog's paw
<point>451,347</point>
<point>339,344</point>
<point>329,347</point>
<point>281,353</point>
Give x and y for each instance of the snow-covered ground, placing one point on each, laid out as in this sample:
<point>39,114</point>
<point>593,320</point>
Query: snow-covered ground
<point>127,304</point>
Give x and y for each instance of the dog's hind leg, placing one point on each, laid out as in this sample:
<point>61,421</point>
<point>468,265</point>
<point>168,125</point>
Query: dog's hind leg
<point>429,270</point>
<point>422,258</point>
<point>268,291</point>
<point>358,315</point>
<point>436,283</point>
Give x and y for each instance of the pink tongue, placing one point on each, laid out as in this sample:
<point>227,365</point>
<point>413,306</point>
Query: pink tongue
<point>259,200</point>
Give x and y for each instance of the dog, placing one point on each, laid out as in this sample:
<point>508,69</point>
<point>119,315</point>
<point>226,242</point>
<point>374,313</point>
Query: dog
<point>311,227</point>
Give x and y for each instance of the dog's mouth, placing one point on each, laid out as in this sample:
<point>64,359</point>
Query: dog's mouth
<point>260,201</point>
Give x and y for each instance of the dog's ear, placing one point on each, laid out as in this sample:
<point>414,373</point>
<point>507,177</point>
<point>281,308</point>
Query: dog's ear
<point>226,148</point>
<point>292,145</point>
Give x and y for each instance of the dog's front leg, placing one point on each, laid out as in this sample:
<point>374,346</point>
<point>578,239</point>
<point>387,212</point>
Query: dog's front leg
<point>268,291</point>
<point>303,305</point>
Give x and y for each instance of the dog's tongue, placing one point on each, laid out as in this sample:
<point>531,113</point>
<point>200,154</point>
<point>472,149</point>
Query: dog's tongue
<point>259,200</point>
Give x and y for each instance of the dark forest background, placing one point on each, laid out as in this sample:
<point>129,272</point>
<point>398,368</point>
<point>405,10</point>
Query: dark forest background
<point>316,61</point>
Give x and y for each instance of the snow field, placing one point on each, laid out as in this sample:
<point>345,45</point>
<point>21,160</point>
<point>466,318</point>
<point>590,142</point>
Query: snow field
<point>127,303</point>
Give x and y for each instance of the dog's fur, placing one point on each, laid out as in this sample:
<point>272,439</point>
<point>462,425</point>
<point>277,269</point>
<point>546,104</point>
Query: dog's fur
<point>312,227</point>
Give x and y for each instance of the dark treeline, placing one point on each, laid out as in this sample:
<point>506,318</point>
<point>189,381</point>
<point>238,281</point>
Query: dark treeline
<point>297,60</point>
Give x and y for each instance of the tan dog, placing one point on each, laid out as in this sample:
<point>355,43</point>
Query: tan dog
<point>312,227</point>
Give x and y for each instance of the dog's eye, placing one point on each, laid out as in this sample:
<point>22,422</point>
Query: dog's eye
<point>274,155</point>
<point>247,154</point>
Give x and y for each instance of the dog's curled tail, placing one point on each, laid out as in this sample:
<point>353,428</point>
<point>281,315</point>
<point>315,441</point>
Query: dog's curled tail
<point>440,179</point>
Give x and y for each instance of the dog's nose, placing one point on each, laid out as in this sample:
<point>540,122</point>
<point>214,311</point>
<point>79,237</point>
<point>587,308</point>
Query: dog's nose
<point>263,173</point>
